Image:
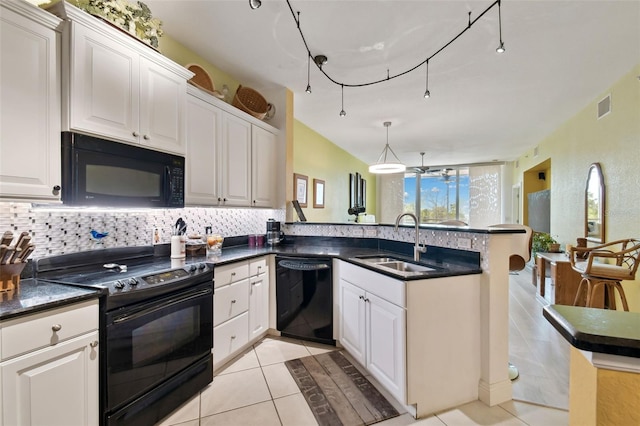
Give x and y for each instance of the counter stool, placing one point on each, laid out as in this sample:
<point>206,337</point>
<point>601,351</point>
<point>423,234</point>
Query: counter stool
<point>598,274</point>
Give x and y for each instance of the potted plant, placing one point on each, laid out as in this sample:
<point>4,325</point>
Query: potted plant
<point>543,242</point>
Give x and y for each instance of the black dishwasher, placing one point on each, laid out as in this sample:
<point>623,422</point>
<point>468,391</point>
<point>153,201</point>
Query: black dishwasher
<point>304,298</point>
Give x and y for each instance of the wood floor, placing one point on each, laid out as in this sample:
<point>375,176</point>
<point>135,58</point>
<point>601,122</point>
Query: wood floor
<point>536,348</point>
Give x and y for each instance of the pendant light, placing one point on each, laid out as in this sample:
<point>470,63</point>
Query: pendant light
<point>387,163</point>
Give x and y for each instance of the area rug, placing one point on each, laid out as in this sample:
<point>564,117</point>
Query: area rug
<point>337,393</point>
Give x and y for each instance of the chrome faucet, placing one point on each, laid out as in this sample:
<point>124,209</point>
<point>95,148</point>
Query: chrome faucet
<point>417,249</point>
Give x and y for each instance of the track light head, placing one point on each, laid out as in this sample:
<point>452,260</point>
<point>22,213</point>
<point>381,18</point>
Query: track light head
<point>343,113</point>
<point>254,4</point>
<point>308,89</point>
<point>500,48</point>
<point>427,94</point>
<point>320,60</point>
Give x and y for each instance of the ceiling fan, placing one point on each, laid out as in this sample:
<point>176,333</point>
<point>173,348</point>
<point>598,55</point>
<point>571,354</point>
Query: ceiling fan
<point>422,169</point>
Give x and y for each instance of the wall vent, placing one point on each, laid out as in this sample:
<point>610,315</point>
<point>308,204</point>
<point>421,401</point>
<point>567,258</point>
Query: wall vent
<point>604,106</point>
<point>535,152</point>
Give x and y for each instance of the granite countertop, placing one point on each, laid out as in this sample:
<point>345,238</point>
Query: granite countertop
<point>38,294</point>
<point>597,330</point>
<point>35,295</point>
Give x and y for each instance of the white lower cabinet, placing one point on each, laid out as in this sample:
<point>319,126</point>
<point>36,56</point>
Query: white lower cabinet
<point>241,307</point>
<point>56,381</point>
<point>373,331</point>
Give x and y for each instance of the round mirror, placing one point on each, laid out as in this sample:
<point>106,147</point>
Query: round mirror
<point>594,205</point>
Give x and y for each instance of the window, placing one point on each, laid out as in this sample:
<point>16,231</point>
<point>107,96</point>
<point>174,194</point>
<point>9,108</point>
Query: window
<point>438,195</point>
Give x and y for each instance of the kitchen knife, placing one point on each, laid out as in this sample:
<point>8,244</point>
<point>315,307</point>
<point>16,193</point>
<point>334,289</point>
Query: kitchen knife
<point>23,241</point>
<point>8,253</point>
<point>7,237</point>
<point>20,243</point>
<point>22,257</point>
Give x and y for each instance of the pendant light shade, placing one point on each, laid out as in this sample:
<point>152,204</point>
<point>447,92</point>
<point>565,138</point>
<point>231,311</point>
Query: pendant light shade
<point>388,162</point>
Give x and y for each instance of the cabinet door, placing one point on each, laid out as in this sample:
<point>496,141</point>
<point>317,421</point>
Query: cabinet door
<point>30,105</point>
<point>386,343</point>
<point>163,96</point>
<point>104,86</point>
<point>235,161</point>
<point>258,305</point>
<point>53,386</point>
<point>263,159</point>
<point>204,127</point>
<point>352,321</point>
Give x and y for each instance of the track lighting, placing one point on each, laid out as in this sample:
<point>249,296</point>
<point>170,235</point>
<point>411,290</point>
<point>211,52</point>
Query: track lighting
<point>254,4</point>
<point>426,92</point>
<point>385,163</point>
<point>321,60</point>
<point>500,48</point>
<point>308,74</point>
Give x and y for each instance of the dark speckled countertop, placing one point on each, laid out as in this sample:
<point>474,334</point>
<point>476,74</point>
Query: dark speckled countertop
<point>35,295</point>
<point>597,330</point>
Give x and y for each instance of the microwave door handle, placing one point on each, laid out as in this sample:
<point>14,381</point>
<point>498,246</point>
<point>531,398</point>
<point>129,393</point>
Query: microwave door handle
<point>168,188</point>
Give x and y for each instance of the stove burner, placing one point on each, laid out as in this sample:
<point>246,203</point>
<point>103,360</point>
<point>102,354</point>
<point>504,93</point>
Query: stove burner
<point>122,268</point>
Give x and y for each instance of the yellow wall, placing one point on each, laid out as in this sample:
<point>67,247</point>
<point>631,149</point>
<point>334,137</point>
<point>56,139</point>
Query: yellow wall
<point>532,183</point>
<point>614,142</point>
<point>184,56</point>
<point>317,157</point>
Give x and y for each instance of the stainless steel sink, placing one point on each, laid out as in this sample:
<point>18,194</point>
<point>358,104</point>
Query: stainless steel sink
<point>402,266</point>
<point>395,265</point>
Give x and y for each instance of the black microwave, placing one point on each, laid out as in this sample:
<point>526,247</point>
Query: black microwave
<point>98,172</point>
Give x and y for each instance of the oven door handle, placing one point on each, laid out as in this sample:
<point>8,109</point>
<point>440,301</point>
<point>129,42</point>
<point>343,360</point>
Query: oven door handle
<point>182,299</point>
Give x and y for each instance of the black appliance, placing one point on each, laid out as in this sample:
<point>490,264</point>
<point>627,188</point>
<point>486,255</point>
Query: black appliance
<point>274,234</point>
<point>98,172</point>
<point>156,328</point>
<point>304,298</point>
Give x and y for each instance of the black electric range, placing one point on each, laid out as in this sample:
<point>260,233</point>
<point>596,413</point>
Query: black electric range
<point>156,328</point>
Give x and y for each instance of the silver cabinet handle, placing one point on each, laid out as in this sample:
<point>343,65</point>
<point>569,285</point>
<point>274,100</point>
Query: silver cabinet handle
<point>233,301</point>
<point>56,327</point>
<point>93,344</point>
<point>146,137</point>
<point>361,297</point>
<point>233,274</point>
<point>233,337</point>
<point>135,134</point>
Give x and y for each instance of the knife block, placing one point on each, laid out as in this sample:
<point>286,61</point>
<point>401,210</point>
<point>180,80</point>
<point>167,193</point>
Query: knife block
<point>10,276</point>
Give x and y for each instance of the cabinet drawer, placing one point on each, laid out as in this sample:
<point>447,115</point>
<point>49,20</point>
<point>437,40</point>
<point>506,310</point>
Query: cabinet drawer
<point>230,337</point>
<point>230,301</point>
<point>227,274</point>
<point>257,266</point>
<point>47,328</point>
<point>388,288</point>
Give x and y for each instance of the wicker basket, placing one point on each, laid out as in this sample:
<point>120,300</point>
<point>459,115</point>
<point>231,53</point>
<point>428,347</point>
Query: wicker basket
<point>202,80</point>
<point>251,102</point>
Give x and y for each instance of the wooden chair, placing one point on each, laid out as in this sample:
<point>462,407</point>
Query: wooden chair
<point>597,273</point>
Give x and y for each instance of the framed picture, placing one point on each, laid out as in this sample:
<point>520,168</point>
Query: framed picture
<point>318,194</point>
<point>300,189</point>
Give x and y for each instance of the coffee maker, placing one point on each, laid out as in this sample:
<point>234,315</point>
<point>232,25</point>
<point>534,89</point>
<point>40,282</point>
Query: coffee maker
<point>274,235</point>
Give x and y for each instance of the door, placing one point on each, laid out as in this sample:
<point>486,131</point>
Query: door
<point>258,305</point>
<point>263,158</point>
<point>235,161</point>
<point>56,386</point>
<point>30,105</point>
<point>104,86</point>
<point>204,128</point>
<point>352,324</point>
<point>163,97</point>
<point>386,344</point>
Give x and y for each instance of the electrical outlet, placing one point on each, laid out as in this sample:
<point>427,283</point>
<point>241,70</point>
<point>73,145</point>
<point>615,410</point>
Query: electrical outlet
<point>357,232</point>
<point>370,232</point>
<point>464,243</point>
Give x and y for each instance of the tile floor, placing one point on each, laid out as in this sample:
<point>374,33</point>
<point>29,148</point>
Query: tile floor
<point>257,389</point>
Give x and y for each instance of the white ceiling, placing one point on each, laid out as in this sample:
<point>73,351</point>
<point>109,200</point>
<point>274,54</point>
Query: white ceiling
<point>484,106</point>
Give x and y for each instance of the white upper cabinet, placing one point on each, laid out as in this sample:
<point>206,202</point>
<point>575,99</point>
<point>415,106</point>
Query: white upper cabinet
<point>119,88</point>
<point>263,158</point>
<point>235,161</point>
<point>30,103</point>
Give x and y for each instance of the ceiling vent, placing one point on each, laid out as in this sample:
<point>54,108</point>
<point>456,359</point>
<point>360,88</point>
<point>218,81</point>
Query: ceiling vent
<point>604,106</point>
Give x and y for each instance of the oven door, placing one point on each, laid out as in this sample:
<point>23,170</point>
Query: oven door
<point>150,342</point>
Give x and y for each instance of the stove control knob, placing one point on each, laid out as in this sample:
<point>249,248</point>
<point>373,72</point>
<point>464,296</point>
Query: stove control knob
<point>133,282</point>
<point>119,285</point>
<point>192,268</point>
<point>202,266</point>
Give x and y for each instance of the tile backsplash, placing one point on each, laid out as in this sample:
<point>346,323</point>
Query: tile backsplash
<point>59,230</point>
